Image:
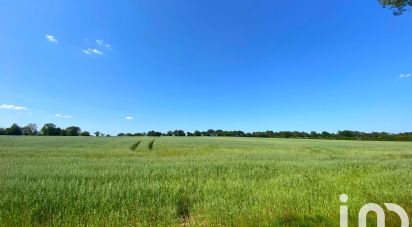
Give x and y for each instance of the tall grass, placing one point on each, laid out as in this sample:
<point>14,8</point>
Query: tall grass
<point>75,181</point>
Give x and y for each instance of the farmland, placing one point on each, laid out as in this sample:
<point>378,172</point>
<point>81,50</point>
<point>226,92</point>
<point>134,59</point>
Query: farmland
<point>197,180</point>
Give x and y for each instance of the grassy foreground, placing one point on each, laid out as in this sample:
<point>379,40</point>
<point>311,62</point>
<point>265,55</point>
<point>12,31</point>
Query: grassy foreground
<point>198,181</point>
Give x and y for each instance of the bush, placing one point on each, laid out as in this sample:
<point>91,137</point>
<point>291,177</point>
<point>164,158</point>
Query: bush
<point>85,133</point>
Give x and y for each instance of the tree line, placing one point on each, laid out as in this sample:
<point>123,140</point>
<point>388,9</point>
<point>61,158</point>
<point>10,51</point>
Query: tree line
<point>51,129</point>
<point>340,135</point>
<point>48,129</point>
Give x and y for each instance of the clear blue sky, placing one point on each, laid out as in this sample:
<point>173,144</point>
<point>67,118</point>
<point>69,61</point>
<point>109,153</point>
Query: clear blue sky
<point>184,64</point>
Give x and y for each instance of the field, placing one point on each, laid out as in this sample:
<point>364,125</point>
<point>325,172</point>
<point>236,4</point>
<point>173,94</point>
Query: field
<point>197,180</point>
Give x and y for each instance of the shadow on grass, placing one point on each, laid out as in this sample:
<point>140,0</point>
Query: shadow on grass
<point>135,145</point>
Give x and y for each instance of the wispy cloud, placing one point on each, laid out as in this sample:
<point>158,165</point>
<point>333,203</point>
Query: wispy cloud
<point>405,75</point>
<point>129,118</point>
<point>63,116</point>
<point>100,42</point>
<point>91,51</point>
<point>12,107</point>
<point>51,39</point>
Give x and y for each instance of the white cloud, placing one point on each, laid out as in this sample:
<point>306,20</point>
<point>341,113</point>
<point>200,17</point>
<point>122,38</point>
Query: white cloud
<point>129,118</point>
<point>12,107</point>
<point>63,116</point>
<point>100,42</point>
<point>51,39</point>
<point>96,51</point>
<point>406,75</point>
<point>91,51</point>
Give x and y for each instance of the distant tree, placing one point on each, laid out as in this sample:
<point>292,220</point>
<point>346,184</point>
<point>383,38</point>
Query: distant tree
<point>198,133</point>
<point>30,130</point>
<point>314,134</point>
<point>169,133</point>
<point>120,134</point>
<point>241,133</point>
<point>97,134</point>
<point>153,133</point>
<point>210,132</point>
<point>398,6</point>
<point>235,133</point>
<point>14,130</point>
<point>2,131</point>
<point>269,134</point>
<point>85,133</point>
<point>190,134</point>
<point>219,132</point>
<point>108,135</point>
<point>50,129</point>
<point>63,132</point>
<point>326,134</point>
<point>73,131</point>
<point>348,134</point>
<point>179,133</point>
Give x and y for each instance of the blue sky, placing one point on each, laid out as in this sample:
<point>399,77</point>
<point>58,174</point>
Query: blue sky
<point>182,64</point>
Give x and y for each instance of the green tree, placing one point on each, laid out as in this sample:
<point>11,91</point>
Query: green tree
<point>179,133</point>
<point>97,134</point>
<point>326,134</point>
<point>85,133</point>
<point>73,131</point>
<point>50,129</point>
<point>210,132</point>
<point>219,132</point>
<point>153,133</point>
<point>198,133</point>
<point>14,130</point>
<point>398,6</point>
<point>314,134</point>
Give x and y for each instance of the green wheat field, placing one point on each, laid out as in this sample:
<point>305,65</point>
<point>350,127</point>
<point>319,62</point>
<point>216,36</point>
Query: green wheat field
<point>197,181</point>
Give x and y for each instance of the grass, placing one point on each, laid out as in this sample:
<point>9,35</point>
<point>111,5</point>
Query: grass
<point>197,181</point>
